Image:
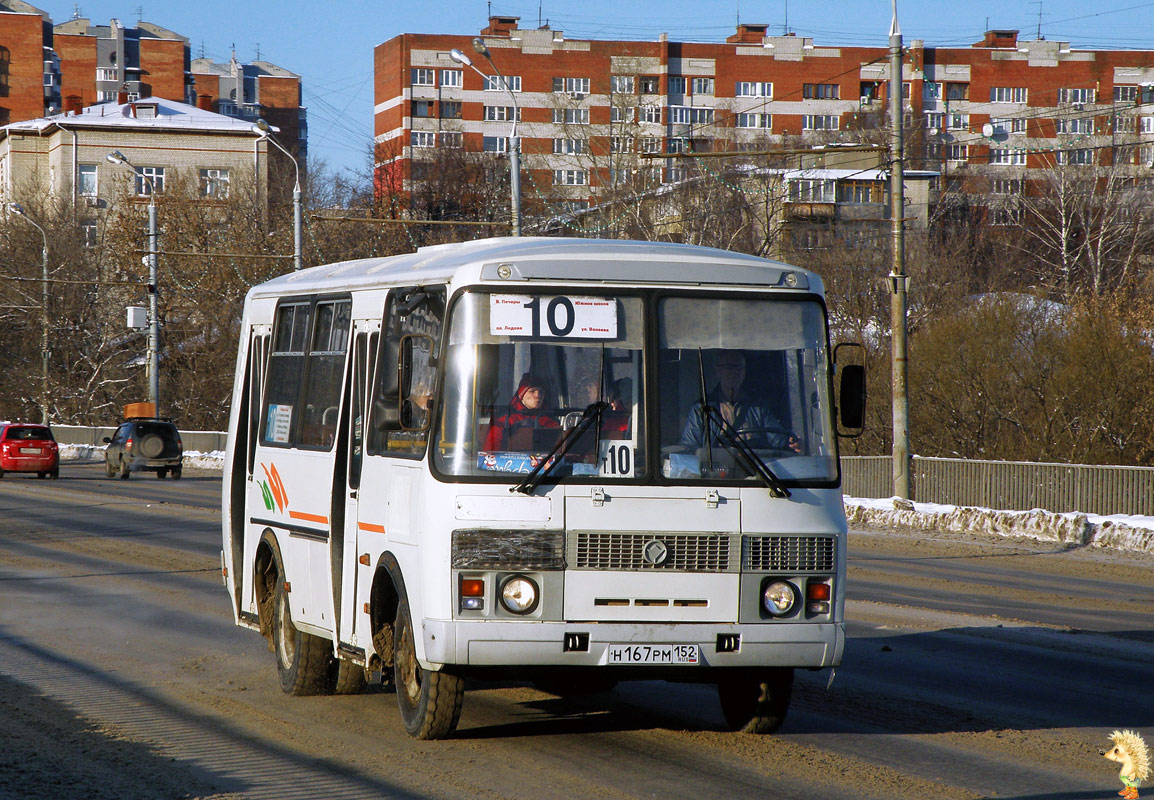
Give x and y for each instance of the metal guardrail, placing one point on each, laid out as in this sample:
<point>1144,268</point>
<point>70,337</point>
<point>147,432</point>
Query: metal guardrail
<point>1008,485</point>
<point>200,441</point>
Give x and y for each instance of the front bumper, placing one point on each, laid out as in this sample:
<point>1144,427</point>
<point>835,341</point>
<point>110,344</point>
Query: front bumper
<point>496,643</point>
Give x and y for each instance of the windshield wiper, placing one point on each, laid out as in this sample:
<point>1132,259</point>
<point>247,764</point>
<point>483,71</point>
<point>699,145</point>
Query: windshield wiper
<point>732,440</point>
<point>591,414</point>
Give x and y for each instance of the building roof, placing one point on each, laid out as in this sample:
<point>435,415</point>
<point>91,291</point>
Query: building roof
<point>170,115</point>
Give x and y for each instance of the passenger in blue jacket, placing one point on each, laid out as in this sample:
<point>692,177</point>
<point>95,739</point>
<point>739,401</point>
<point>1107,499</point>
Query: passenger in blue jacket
<point>739,409</point>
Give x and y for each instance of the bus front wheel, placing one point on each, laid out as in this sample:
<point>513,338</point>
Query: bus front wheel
<point>430,702</point>
<point>303,661</point>
<point>756,702</point>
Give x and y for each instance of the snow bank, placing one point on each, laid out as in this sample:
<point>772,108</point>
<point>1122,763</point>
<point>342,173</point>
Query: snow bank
<point>192,458</point>
<point>1120,532</point>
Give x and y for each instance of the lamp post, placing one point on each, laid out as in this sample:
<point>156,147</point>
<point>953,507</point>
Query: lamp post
<point>117,157</point>
<point>265,131</point>
<point>514,141</point>
<point>18,210</point>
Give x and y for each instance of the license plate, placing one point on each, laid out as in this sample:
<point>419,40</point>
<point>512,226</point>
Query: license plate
<point>30,450</point>
<point>652,654</point>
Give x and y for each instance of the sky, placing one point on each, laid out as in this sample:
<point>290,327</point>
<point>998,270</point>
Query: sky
<point>330,43</point>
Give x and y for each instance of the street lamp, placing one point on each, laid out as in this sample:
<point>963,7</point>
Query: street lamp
<point>18,210</point>
<point>117,157</point>
<point>265,131</point>
<point>514,142</point>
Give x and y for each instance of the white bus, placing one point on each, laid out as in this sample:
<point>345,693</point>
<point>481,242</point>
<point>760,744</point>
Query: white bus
<point>567,461</point>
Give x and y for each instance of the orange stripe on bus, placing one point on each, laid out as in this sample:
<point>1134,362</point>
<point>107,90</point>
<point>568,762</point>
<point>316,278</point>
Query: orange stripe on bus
<point>309,517</point>
<point>371,527</point>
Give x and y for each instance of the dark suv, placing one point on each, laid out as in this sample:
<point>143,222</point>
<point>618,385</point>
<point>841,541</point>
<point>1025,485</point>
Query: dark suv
<point>144,445</point>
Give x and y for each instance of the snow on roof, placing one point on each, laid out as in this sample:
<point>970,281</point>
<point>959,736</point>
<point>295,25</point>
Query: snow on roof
<point>169,114</point>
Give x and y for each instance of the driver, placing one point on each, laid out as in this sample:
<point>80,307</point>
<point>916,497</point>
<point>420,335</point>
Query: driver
<point>756,423</point>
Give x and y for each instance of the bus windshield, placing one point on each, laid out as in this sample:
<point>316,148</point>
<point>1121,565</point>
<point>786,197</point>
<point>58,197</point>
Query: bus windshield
<point>743,374</point>
<point>521,371</point>
<point>742,387</point>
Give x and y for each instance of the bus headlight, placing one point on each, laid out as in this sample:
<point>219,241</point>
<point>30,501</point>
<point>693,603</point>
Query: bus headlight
<point>778,598</point>
<point>519,594</point>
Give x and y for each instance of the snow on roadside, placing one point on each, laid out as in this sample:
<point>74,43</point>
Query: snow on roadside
<point>1119,532</point>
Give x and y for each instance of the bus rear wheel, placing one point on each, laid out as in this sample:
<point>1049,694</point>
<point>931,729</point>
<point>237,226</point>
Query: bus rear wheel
<point>304,662</point>
<point>756,702</point>
<point>430,702</point>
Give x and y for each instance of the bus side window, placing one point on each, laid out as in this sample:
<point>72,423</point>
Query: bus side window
<point>406,373</point>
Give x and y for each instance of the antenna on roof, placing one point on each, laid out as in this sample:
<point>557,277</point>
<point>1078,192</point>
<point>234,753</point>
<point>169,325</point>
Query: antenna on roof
<point>538,13</point>
<point>76,10</point>
<point>139,13</point>
<point>1039,5</point>
<point>786,29</point>
<point>202,48</point>
<point>258,51</point>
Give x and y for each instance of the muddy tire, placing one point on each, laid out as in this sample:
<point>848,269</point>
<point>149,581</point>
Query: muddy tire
<point>161,474</point>
<point>124,470</point>
<point>304,662</point>
<point>430,702</point>
<point>109,469</point>
<point>175,473</point>
<point>756,702</point>
<point>348,678</point>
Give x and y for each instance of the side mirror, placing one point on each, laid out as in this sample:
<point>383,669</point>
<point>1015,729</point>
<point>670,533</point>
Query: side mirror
<point>852,396</point>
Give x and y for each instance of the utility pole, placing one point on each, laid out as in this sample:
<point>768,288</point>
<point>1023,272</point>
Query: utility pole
<point>899,281</point>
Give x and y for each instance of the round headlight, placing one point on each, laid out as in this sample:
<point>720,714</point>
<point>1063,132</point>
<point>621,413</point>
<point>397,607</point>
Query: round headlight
<point>519,594</point>
<point>778,598</point>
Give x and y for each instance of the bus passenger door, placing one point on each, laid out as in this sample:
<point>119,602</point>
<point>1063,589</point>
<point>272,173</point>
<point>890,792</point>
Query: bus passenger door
<point>355,578</point>
<point>244,506</point>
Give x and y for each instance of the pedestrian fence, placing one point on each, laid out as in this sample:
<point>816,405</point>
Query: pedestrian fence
<point>1008,485</point>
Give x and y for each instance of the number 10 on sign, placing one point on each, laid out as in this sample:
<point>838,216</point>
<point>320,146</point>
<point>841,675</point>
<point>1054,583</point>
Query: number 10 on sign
<point>562,317</point>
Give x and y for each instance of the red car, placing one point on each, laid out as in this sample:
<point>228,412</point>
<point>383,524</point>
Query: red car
<point>28,448</point>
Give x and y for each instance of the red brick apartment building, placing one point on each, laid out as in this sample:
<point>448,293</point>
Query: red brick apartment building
<point>46,69</point>
<point>994,112</point>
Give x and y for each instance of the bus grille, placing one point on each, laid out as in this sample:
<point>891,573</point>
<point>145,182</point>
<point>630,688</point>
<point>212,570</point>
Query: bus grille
<point>789,554</point>
<point>684,552</point>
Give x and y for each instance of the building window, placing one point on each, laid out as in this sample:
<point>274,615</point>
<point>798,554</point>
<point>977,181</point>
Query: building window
<point>1146,155</point>
<point>754,120</point>
<point>858,192</point>
<point>574,87</point>
<point>451,78</point>
<point>957,152</point>
<point>1125,94</point>
<point>678,145</point>
<point>103,96</point>
<point>424,139</point>
<point>703,85</point>
<point>1076,157</point>
<point>501,113</point>
<point>1146,124</point>
<point>812,190</point>
<point>422,108</point>
<point>452,139</point>
<point>1006,214</point>
<point>819,122</point>
<point>957,91</point>
<point>86,180</point>
<point>105,73</point>
<point>649,84</point>
<point>421,76</point>
<point>450,109</point>
<point>1125,124</point>
<point>649,114</point>
<point>618,177</point>
<point>621,84</point>
<point>494,83</point>
<point>621,144</point>
<point>676,84</point>
<point>753,89</point>
<point>1008,94</point>
<point>88,233</point>
<point>1078,125</point>
<point>569,177</point>
<point>821,91</point>
<point>935,120</point>
<point>931,91</point>
<point>495,144</point>
<point>1072,96</point>
<point>1007,158</point>
<point>571,116</point>
<point>569,147</point>
<point>675,174</point>
<point>214,183</point>
<point>1007,186</point>
<point>146,174</point>
<point>621,113</point>
<point>1008,125</point>
<point>650,144</point>
<point>690,115</point>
